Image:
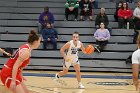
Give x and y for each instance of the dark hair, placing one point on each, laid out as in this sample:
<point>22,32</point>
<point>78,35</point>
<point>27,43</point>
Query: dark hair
<point>76,32</point>
<point>33,36</point>
<point>126,6</point>
<point>46,8</point>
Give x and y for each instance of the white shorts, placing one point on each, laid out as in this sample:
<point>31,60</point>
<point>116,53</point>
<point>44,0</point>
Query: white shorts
<point>136,57</point>
<point>68,64</point>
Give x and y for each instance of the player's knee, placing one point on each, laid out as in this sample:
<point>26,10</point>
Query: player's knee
<point>77,70</point>
<point>65,71</point>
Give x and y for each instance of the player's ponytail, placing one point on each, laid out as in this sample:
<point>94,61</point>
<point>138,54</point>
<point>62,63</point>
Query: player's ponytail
<point>33,36</point>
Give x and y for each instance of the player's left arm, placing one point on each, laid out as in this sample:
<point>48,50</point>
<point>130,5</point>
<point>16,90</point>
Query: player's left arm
<point>83,48</point>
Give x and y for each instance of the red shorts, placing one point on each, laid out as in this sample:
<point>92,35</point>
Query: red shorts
<point>6,77</point>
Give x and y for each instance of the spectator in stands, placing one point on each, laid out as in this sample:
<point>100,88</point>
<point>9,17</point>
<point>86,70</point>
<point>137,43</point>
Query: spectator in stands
<point>136,20</point>
<point>116,12</point>
<point>102,36</point>
<point>86,10</point>
<point>46,17</point>
<point>71,7</point>
<point>94,3</point>
<point>117,1</point>
<point>102,17</point>
<point>80,1</point>
<point>124,16</point>
<point>130,1</point>
<point>50,35</point>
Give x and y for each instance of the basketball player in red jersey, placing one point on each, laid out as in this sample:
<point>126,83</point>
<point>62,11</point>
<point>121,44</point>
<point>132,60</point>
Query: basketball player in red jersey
<point>11,73</point>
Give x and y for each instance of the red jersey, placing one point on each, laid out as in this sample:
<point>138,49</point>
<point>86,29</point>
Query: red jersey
<point>15,55</point>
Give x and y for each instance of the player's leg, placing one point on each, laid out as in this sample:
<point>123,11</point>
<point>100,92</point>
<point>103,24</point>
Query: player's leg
<point>19,89</point>
<point>78,75</point>
<point>65,70</point>
<point>24,87</point>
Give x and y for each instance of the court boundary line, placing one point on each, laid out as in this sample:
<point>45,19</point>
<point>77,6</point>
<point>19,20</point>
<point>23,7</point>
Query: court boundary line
<point>82,76</point>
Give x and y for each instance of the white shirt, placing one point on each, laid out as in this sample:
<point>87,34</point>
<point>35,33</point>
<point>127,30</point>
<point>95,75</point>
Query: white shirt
<point>136,12</point>
<point>136,57</point>
<point>73,50</point>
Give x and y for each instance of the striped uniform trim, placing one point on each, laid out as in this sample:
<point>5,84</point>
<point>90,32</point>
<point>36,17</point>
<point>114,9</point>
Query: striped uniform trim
<point>8,78</point>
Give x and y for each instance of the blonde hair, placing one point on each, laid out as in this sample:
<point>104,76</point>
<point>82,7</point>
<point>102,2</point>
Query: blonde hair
<point>103,9</point>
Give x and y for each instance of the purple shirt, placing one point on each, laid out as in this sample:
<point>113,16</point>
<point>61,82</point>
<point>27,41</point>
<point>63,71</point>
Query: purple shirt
<point>44,18</point>
<point>102,34</point>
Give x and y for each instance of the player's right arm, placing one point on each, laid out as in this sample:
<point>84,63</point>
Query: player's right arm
<point>5,52</point>
<point>62,50</point>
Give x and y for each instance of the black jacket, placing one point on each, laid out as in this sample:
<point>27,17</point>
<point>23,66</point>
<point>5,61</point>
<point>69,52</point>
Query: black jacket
<point>101,18</point>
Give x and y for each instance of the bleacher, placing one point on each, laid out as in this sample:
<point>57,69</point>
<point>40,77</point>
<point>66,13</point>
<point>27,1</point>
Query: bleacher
<point>18,17</point>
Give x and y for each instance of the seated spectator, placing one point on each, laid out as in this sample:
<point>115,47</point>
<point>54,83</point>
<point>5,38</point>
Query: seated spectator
<point>102,36</point>
<point>50,35</point>
<point>80,1</point>
<point>86,10</point>
<point>130,1</point>
<point>94,3</point>
<point>46,17</point>
<point>116,12</point>
<point>124,16</point>
<point>71,7</point>
<point>102,17</point>
<point>117,1</point>
<point>136,20</point>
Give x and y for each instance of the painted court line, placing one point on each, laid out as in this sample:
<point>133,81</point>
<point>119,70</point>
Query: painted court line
<point>83,76</point>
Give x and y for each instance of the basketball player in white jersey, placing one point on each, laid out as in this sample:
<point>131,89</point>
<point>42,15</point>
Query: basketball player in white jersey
<point>136,63</point>
<point>71,57</point>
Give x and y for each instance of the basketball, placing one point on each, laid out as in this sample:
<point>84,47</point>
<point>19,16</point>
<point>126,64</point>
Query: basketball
<point>89,49</point>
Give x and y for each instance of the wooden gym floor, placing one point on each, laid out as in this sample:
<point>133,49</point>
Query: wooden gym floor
<point>43,82</point>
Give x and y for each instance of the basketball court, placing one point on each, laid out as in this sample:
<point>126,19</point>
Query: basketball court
<point>43,82</point>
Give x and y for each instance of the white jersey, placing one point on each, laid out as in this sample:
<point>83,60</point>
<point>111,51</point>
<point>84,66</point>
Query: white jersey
<point>73,50</point>
<point>136,57</point>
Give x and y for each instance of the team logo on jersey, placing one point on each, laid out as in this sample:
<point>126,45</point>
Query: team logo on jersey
<point>73,50</point>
